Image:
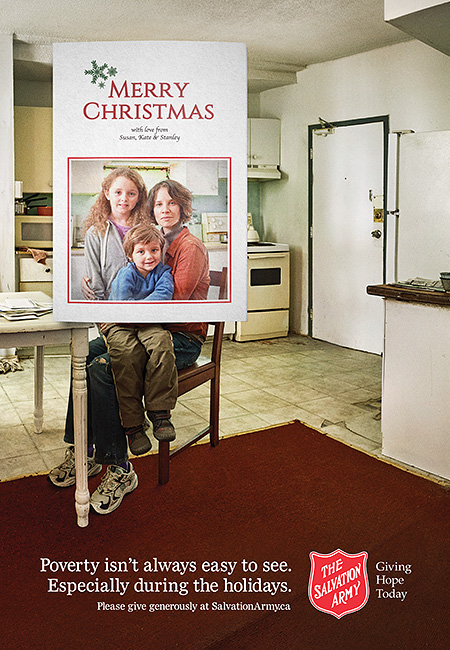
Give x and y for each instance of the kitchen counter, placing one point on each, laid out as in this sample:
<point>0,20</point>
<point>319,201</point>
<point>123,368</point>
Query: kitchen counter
<point>215,246</point>
<point>416,377</point>
<point>409,294</point>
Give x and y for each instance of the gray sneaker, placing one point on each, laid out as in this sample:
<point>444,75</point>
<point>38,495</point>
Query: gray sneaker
<point>115,484</point>
<point>64,474</point>
<point>163,428</point>
<point>138,441</point>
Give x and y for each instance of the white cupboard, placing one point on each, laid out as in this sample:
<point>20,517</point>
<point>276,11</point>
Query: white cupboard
<point>33,148</point>
<point>263,141</point>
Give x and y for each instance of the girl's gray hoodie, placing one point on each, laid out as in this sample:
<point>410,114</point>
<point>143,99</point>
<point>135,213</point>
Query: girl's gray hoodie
<point>104,257</point>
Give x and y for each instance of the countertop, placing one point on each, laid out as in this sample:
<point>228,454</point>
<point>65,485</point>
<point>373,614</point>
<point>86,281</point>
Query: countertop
<point>397,292</point>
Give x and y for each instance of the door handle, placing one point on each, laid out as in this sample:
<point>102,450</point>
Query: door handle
<point>376,234</point>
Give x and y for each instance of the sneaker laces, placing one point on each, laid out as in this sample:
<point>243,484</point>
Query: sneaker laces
<point>109,479</point>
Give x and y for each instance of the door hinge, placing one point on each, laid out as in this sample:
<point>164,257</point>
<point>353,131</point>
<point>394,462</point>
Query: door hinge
<point>310,314</point>
<point>311,232</point>
<point>311,153</point>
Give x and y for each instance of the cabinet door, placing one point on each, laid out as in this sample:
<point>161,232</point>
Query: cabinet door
<point>86,176</point>
<point>33,148</point>
<point>31,271</point>
<point>77,270</point>
<point>264,142</point>
<point>34,276</point>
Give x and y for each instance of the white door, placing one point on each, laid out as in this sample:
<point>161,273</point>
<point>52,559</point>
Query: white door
<point>347,244</point>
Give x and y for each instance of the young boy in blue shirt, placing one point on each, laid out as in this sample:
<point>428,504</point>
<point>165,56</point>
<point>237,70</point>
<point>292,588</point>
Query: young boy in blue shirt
<point>144,277</point>
<point>142,356</point>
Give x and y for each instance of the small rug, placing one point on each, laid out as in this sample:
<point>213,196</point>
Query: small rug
<point>219,558</point>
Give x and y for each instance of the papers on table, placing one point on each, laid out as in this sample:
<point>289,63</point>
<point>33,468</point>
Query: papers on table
<point>23,309</point>
<point>421,283</point>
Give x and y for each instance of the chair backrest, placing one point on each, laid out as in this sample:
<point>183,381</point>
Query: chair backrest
<point>204,370</point>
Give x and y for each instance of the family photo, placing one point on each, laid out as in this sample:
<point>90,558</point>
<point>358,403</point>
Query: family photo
<point>145,236</point>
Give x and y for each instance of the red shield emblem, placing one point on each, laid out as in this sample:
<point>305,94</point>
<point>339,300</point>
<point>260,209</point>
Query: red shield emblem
<point>338,582</point>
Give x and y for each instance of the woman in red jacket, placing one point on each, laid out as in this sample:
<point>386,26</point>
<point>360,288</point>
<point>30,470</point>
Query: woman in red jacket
<point>171,208</point>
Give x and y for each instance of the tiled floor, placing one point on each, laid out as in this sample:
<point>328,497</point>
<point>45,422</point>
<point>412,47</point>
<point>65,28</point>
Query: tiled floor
<point>263,383</point>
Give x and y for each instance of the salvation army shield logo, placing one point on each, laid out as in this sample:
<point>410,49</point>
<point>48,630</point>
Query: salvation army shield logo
<point>338,582</point>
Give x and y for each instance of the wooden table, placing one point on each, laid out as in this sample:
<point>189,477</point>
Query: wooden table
<point>42,331</point>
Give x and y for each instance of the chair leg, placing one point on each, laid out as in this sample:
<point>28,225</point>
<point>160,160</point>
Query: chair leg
<point>163,462</point>
<point>214,411</point>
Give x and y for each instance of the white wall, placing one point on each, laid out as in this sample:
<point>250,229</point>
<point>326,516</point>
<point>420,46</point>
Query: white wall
<point>410,82</point>
<point>253,104</point>
<point>7,258</point>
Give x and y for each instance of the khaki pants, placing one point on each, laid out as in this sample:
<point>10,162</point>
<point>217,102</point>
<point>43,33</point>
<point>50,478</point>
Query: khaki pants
<point>143,365</point>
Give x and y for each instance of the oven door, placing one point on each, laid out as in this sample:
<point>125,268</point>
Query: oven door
<point>268,281</point>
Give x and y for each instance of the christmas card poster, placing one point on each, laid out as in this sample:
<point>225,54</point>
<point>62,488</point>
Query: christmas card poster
<point>142,114</point>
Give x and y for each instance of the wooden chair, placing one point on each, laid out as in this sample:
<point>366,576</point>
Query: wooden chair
<point>205,369</point>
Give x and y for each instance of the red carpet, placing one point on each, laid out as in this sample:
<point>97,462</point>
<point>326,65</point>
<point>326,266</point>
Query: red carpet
<point>267,497</point>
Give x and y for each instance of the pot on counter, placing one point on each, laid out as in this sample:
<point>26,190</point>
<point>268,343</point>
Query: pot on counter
<point>20,207</point>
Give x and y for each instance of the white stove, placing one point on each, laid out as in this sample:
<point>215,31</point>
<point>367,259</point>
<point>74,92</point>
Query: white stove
<point>267,293</point>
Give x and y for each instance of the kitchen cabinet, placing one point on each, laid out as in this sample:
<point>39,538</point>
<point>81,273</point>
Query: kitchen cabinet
<point>33,276</point>
<point>77,270</point>
<point>202,177</point>
<point>415,409</point>
<point>33,148</point>
<point>218,255</point>
<point>87,176</point>
<point>263,147</point>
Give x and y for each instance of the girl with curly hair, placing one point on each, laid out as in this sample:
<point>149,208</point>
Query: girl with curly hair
<point>121,204</point>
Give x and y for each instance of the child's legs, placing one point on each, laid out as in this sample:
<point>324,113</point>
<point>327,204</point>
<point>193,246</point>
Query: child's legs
<point>186,350</point>
<point>108,434</point>
<point>128,361</point>
<point>96,347</point>
<point>161,377</point>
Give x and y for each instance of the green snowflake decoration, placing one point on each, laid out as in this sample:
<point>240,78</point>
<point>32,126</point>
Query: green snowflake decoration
<point>100,73</point>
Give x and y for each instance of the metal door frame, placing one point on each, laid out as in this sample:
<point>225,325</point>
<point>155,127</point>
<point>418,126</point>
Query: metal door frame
<point>384,119</point>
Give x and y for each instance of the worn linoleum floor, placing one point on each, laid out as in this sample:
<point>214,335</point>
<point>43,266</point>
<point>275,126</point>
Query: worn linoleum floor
<point>263,383</point>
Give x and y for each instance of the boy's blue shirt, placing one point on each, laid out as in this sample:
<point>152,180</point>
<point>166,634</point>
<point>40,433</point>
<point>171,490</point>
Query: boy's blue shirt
<point>129,284</point>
